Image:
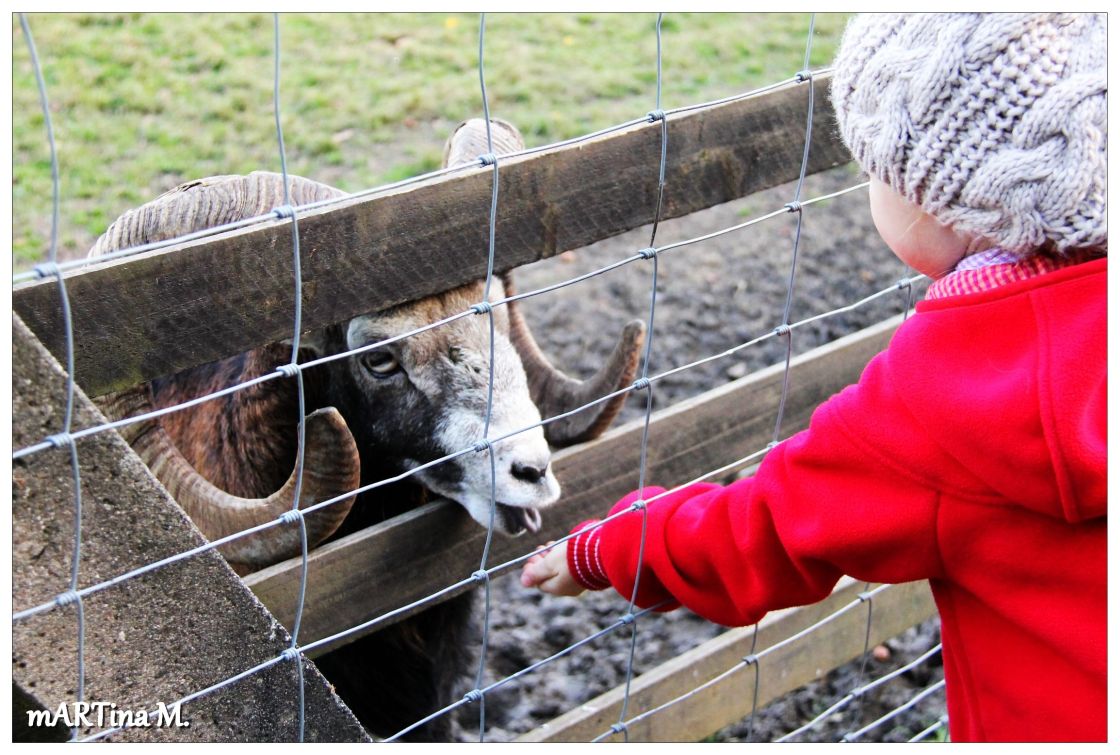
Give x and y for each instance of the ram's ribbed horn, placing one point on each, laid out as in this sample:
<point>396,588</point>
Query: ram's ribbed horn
<point>556,393</point>
<point>553,391</point>
<point>206,203</point>
<point>331,465</point>
<point>468,141</point>
<point>331,469</point>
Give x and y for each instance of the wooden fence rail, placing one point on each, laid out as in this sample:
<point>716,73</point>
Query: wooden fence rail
<point>160,312</point>
<point>730,699</point>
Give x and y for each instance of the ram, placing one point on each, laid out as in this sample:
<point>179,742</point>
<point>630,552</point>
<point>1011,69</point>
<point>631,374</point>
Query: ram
<point>370,416</point>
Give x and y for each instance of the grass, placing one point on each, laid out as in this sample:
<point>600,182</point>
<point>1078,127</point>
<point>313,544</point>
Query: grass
<point>143,102</point>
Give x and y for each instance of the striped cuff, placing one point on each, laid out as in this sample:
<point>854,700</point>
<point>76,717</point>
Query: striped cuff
<point>584,563</point>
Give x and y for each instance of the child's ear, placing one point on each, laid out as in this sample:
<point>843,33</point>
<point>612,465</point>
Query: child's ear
<point>917,238</point>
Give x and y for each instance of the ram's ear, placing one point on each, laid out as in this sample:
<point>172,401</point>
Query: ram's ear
<point>312,344</point>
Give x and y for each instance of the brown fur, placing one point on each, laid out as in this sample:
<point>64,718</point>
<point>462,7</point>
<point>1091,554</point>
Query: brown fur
<point>259,422</point>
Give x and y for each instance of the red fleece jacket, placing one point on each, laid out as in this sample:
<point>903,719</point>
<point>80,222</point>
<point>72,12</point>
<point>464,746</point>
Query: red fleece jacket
<point>971,453</point>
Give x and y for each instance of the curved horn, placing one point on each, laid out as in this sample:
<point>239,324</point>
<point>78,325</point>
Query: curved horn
<point>331,469</point>
<point>205,203</point>
<point>468,141</point>
<point>331,465</point>
<point>556,393</point>
<point>553,392</point>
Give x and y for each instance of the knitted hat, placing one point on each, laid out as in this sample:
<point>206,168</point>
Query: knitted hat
<point>994,123</point>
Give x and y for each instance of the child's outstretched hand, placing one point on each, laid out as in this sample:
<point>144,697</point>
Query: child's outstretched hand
<point>549,573</point>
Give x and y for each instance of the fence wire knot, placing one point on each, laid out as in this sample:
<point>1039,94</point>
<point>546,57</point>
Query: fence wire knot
<point>628,619</point>
<point>288,370</point>
<point>483,307</point>
<point>750,660</point>
<point>794,206</point>
<point>648,253</point>
<point>483,445</point>
<point>783,330</point>
<point>618,728</point>
<point>642,383</point>
<point>291,516</point>
<point>284,211</point>
<point>805,75</point>
<point>47,270</point>
<point>473,696</point>
<point>865,597</point>
<point>653,116</point>
<point>904,283</point>
<point>68,598</point>
<point>60,440</point>
<point>290,654</point>
<point>481,576</point>
<point>488,159</point>
<point>637,505</point>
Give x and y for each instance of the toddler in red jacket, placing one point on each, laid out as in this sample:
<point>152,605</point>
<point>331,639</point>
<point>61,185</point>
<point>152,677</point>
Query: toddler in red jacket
<point>972,453</point>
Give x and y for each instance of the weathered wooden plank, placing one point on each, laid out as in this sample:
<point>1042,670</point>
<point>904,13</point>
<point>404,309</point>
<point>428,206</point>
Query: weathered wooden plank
<point>382,568</point>
<point>730,699</point>
<point>161,312</point>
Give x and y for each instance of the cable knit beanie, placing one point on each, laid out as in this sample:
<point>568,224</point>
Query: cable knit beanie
<point>994,123</point>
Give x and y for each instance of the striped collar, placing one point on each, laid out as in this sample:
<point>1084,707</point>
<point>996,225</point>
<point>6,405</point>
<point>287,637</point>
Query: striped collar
<point>996,267</point>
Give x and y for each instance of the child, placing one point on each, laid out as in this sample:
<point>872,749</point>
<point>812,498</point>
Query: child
<point>973,451</point>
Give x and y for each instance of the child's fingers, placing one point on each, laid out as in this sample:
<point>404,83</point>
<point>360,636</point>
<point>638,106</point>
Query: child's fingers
<point>560,584</point>
<point>536,570</point>
<point>548,572</point>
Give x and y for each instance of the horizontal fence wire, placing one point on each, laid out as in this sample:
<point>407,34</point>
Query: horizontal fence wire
<point>860,692</point>
<point>938,725</point>
<point>930,690</point>
<point>749,660</point>
<point>282,371</point>
<point>644,383</point>
<point>450,589</point>
<point>86,591</point>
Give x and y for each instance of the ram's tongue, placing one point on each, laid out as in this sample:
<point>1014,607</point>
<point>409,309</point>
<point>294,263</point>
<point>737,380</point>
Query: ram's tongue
<point>517,519</point>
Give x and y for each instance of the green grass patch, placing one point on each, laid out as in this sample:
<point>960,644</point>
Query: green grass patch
<point>142,102</point>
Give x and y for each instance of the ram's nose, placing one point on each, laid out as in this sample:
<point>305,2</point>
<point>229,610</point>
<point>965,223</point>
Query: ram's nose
<point>530,473</point>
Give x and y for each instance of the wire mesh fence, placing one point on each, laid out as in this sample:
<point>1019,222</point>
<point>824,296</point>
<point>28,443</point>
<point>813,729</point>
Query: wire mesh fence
<point>630,620</point>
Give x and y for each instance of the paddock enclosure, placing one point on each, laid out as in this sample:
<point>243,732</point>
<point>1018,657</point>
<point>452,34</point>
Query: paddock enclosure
<point>736,229</point>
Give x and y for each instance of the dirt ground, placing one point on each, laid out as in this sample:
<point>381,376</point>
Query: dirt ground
<point>710,296</point>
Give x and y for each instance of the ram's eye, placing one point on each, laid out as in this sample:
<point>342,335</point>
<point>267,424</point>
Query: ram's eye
<point>381,364</point>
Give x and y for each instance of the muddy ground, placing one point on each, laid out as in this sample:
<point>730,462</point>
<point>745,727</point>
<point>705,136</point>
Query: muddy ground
<point>710,297</point>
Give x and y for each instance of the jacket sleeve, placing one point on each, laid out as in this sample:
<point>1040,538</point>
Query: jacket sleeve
<point>828,501</point>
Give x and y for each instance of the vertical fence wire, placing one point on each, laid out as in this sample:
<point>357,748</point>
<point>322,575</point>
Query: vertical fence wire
<point>752,660</point>
<point>292,369</point>
<point>784,329</point>
<point>63,438</point>
<point>484,306</point>
<point>868,597</point>
<point>650,253</point>
<point>796,207</point>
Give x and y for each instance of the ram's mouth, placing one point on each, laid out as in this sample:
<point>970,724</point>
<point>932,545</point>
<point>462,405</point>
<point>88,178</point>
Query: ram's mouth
<point>514,519</point>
